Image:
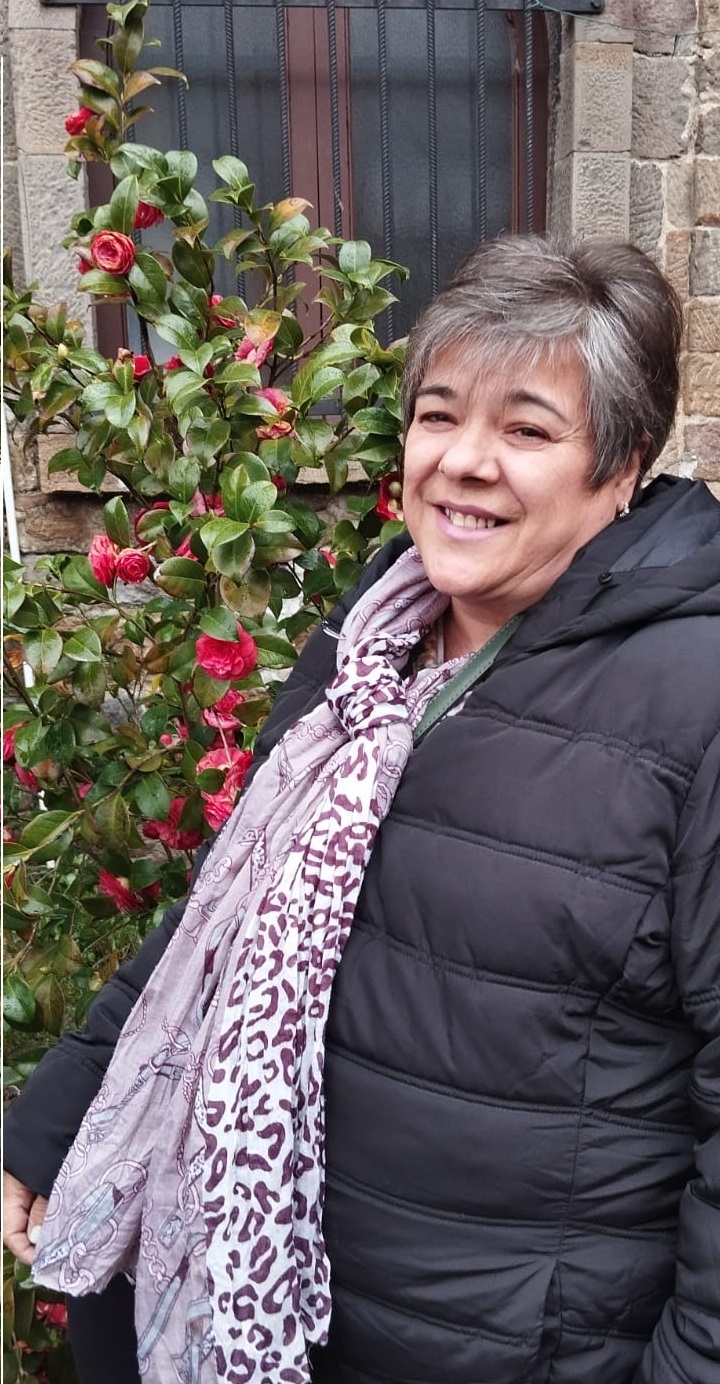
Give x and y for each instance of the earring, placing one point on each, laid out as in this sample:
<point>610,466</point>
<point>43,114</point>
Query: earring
<point>623,513</point>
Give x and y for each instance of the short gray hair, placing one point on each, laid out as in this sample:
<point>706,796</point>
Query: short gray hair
<point>517,300</point>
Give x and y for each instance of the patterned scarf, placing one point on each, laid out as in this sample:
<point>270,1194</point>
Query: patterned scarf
<point>198,1170</point>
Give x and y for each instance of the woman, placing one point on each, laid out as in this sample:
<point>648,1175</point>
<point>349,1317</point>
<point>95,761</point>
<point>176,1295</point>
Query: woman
<point>521,1156</point>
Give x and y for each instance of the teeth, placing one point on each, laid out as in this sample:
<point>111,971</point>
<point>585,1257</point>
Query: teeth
<point>468,521</point>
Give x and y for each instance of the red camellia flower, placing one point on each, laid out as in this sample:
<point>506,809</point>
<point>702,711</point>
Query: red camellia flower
<point>280,484</point>
<point>220,716</point>
<point>103,558</point>
<point>174,363</point>
<point>27,778</point>
<point>9,741</point>
<point>254,355</point>
<point>117,888</point>
<point>132,565</point>
<point>226,658</point>
<point>389,505</point>
<point>75,123</point>
<point>329,556</point>
<point>113,252</point>
<point>215,300</point>
<point>141,366</point>
<point>235,763</point>
<point>83,265</point>
<point>181,733</point>
<point>168,831</point>
<point>146,215</point>
<point>54,1313</point>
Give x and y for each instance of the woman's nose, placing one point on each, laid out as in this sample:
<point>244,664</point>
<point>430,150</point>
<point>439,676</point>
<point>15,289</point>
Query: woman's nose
<point>472,453</point>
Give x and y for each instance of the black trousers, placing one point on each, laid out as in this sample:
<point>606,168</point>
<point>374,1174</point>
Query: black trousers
<point>102,1335</point>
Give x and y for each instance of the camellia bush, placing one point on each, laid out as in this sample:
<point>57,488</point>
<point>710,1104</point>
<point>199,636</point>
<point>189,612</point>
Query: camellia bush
<point>136,676</point>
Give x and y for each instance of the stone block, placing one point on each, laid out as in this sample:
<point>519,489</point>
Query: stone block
<point>707,191</point>
<point>703,325</point>
<point>616,26</point>
<point>44,91</point>
<point>30,14</point>
<point>48,199</point>
<point>705,261</point>
<point>679,193</point>
<point>12,224</point>
<point>23,466</point>
<point>661,25</point>
<point>708,70</point>
<point>49,525</point>
<point>646,205</point>
<point>676,261</point>
<point>701,383</point>
<point>600,195</point>
<point>560,197</point>
<point>8,111</point>
<point>708,135</point>
<point>66,482</point>
<point>596,114</point>
<point>662,94</point>
<point>702,444</point>
<point>709,19</point>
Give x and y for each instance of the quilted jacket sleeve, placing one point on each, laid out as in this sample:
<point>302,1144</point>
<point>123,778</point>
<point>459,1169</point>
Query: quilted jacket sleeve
<point>685,1347</point>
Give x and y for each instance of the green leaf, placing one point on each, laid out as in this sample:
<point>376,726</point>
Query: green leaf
<point>274,651</point>
<point>117,523</point>
<point>233,557</point>
<point>98,281</point>
<point>29,741</point>
<point>89,684</point>
<point>255,500</point>
<point>183,479</point>
<point>148,278</point>
<point>96,74</point>
<point>207,690</point>
<point>181,577</point>
<point>232,172</point>
<point>354,256</point>
<point>184,165</point>
<point>46,827</point>
<point>112,818</point>
<point>60,742</point>
<point>123,205</point>
<point>193,263</point>
<point>219,623</point>
<point>274,521</point>
<point>84,647</point>
<point>152,797</point>
<point>120,410</point>
<point>78,577</point>
<point>311,384</point>
<point>18,1002</point>
<point>42,649</point>
<point>207,437</point>
<point>51,1003</point>
<point>377,421</point>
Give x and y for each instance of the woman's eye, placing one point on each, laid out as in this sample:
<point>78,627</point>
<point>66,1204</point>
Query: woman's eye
<point>434,416</point>
<point>526,430</point>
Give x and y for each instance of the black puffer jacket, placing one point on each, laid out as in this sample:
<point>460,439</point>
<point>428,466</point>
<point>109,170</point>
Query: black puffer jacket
<point>523,1064</point>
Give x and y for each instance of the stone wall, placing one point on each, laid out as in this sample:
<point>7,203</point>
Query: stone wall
<point>636,153</point>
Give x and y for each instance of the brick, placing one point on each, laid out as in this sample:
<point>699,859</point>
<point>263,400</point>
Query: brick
<point>679,193</point>
<point>704,325</point>
<point>49,525</point>
<point>662,89</point>
<point>66,482</point>
<point>707,191</point>
<point>646,205</point>
<point>48,199</point>
<point>23,465</point>
<point>702,444</point>
<point>44,91</point>
<point>676,261</point>
<point>709,19</point>
<point>600,195</point>
<point>616,26</point>
<point>30,14</point>
<point>596,114</point>
<point>708,135</point>
<point>701,383</point>
<point>705,261</point>
<point>660,23</point>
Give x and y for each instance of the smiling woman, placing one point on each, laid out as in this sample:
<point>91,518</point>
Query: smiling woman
<point>425,1087</point>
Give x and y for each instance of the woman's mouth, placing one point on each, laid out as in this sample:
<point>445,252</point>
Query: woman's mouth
<point>469,521</point>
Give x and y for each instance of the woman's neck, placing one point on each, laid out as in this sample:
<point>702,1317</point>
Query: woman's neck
<point>465,632</point>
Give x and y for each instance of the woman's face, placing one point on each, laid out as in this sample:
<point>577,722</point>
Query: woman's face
<point>496,494</point>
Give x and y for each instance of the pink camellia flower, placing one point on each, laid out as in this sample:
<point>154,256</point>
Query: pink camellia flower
<point>147,215</point>
<point>157,504</point>
<point>389,505</point>
<point>215,300</point>
<point>226,658</point>
<point>329,556</point>
<point>207,504</point>
<point>254,355</point>
<point>8,741</point>
<point>220,716</point>
<point>132,565</point>
<point>83,789</point>
<point>219,805</point>
<point>169,831</point>
<point>83,265</point>
<point>113,252</point>
<point>276,397</point>
<point>75,123</point>
<point>27,778</point>
<point>117,888</point>
<point>174,363</point>
<point>54,1313</point>
<point>281,404</point>
<point>103,558</point>
<point>181,733</point>
<point>142,365</point>
<point>184,550</point>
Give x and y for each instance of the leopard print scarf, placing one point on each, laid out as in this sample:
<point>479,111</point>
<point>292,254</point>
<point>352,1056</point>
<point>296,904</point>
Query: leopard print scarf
<point>198,1170</point>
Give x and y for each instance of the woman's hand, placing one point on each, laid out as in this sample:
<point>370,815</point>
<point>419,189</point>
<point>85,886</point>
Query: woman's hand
<point>23,1214</point>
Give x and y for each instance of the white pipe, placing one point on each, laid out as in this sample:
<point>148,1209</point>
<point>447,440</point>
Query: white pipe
<point>10,512</point>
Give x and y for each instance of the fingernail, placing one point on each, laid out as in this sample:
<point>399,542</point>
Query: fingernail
<point>34,1234</point>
